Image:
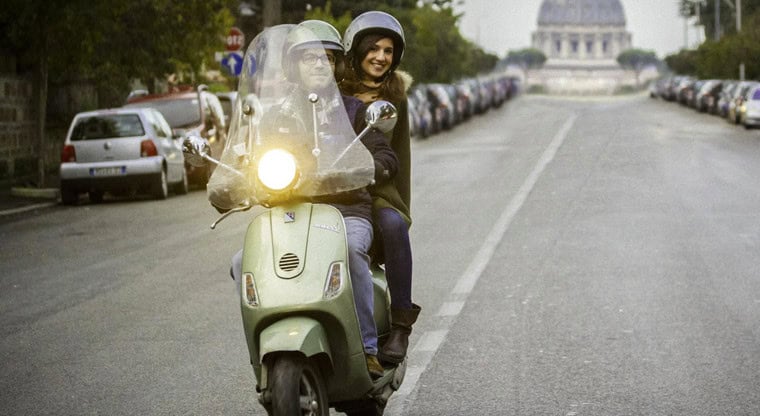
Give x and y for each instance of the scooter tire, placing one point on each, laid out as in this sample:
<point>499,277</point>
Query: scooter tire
<point>297,387</point>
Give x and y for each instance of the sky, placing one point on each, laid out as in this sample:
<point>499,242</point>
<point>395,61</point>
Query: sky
<point>501,25</point>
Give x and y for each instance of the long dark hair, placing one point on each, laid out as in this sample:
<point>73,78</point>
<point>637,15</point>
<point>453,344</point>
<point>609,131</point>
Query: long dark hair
<point>391,88</point>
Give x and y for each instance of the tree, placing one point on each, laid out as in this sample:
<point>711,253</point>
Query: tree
<point>637,60</point>
<point>721,59</point>
<point>109,42</point>
<point>527,58</point>
<point>684,62</point>
<point>435,50</point>
<point>706,14</point>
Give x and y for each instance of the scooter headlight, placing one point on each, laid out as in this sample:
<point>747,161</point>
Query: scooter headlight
<point>277,169</point>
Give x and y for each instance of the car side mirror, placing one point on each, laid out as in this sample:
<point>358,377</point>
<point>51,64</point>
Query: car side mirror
<point>381,115</point>
<point>195,149</point>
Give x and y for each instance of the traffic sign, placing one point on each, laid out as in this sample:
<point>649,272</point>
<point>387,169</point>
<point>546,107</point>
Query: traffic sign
<point>235,40</point>
<point>233,62</point>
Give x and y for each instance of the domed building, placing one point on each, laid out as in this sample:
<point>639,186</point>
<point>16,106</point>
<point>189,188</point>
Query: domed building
<point>581,40</point>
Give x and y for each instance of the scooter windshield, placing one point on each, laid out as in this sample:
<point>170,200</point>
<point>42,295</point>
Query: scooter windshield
<point>288,99</point>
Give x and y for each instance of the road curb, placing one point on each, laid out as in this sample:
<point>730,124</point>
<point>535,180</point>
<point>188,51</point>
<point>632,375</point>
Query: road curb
<point>44,193</point>
<point>27,208</point>
<point>47,197</point>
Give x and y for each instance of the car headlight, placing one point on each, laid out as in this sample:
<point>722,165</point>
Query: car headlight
<point>277,169</point>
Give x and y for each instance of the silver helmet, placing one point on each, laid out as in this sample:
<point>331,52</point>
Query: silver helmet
<point>376,22</point>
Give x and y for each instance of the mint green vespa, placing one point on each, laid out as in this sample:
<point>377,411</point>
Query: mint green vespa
<point>284,147</point>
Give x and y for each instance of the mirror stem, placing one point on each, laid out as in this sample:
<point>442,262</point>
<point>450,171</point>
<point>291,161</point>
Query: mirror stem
<point>313,98</point>
<point>223,165</point>
<point>350,145</point>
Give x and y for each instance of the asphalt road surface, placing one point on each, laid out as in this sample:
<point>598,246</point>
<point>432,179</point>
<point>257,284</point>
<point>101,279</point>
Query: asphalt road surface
<point>592,256</point>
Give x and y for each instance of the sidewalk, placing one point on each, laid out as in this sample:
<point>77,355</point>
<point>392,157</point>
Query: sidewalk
<point>21,198</point>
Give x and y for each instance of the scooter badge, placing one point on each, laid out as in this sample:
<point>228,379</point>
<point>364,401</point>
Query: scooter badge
<point>290,216</point>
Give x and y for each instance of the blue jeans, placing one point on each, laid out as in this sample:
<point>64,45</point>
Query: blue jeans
<point>359,234</point>
<point>394,235</point>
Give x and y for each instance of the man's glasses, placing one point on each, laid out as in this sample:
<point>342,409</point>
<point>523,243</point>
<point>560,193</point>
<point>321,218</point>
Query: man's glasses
<point>311,59</point>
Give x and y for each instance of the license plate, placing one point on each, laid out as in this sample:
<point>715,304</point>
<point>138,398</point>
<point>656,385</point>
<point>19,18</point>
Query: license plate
<point>114,171</point>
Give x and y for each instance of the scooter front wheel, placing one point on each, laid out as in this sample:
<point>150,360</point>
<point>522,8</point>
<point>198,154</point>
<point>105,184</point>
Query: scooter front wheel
<point>369,408</point>
<point>297,387</point>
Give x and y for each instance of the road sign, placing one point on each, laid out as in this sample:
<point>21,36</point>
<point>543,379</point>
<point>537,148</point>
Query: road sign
<point>233,62</point>
<point>235,40</point>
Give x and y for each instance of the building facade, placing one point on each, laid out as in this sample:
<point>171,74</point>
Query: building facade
<point>581,40</point>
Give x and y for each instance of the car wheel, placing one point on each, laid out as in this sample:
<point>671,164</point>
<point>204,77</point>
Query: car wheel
<point>96,197</point>
<point>69,197</point>
<point>161,186</point>
<point>182,187</point>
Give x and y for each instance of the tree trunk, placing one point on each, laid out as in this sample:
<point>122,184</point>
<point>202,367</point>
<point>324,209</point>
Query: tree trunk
<point>42,87</point>
<point>272,13</point>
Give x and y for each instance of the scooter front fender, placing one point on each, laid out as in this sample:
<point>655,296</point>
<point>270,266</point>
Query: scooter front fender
<point>295,333</point>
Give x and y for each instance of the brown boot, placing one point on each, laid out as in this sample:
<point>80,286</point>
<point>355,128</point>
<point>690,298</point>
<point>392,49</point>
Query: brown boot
<point>376,370</point>
<point>395,347</point>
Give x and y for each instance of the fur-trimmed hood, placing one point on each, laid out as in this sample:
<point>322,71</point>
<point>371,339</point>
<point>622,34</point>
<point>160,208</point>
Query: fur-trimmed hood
<point>406,79</point>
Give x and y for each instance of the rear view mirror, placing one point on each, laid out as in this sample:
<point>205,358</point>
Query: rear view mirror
<point>381,115</point>
<point>196,149</point>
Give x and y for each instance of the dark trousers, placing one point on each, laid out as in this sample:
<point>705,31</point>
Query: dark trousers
<point>397,250</point>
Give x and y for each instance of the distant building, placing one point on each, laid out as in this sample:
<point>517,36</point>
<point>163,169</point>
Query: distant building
<point>581,39</point>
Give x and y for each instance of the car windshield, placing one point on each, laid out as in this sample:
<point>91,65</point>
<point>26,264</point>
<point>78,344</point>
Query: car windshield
<point>107,127</point>
<point>180,113</point>
<point>756,96</point>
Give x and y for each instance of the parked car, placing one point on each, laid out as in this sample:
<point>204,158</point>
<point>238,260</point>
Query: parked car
<point>707,97</point>
<point>750,116</point>
<point>441,106</point>
<point>121,151</point>
<point>725,97</point>
<point>418,99</point>
<point>190,111</point>
<point>420,119</point>
<point>737,102</point>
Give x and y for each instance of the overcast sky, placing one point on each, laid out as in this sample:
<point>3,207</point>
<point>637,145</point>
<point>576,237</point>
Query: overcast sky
<point>501,25</point>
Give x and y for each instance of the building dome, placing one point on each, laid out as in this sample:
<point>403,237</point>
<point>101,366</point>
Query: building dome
<point>581,12</point>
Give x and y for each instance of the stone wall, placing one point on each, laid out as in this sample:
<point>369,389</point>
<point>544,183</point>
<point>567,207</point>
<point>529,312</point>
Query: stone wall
<point>18,137</point>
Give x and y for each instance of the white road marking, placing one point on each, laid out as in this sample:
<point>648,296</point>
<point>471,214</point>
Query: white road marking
<point>430,341</point>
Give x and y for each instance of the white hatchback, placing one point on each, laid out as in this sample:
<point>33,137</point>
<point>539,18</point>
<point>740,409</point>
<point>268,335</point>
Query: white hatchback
<point>121,151</point>
<point>750,117</point>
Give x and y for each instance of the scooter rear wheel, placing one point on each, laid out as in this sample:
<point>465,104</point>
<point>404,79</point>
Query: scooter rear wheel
<point>297,387</point>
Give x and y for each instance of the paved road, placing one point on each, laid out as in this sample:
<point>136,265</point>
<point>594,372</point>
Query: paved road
<point>572,256</point>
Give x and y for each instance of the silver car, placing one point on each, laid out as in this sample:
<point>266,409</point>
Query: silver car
<point>121,151</point>
<point>750,116</point>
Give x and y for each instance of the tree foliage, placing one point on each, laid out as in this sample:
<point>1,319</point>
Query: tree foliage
<point>113,41</point>
<point>705,10</point>
<point>527,58</point>
<point>721,59</point>
<point>637,60</point>
<point>435,49</point>
<point>684,62</point>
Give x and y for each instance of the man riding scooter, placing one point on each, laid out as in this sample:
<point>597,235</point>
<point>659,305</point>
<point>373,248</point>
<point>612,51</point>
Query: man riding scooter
<point>312,58</point>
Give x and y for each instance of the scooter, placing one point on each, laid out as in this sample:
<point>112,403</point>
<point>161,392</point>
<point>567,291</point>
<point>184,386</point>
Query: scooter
<point>296,299</point>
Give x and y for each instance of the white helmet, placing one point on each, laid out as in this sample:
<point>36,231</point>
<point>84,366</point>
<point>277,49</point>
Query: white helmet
<point>379,23</point>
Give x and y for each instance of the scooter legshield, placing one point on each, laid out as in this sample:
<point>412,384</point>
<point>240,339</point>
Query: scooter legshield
<point>289,251</point>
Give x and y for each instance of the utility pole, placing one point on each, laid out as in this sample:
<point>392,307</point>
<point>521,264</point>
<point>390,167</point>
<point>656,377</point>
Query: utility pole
<point>717,20</point>
<point>739,29</point>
